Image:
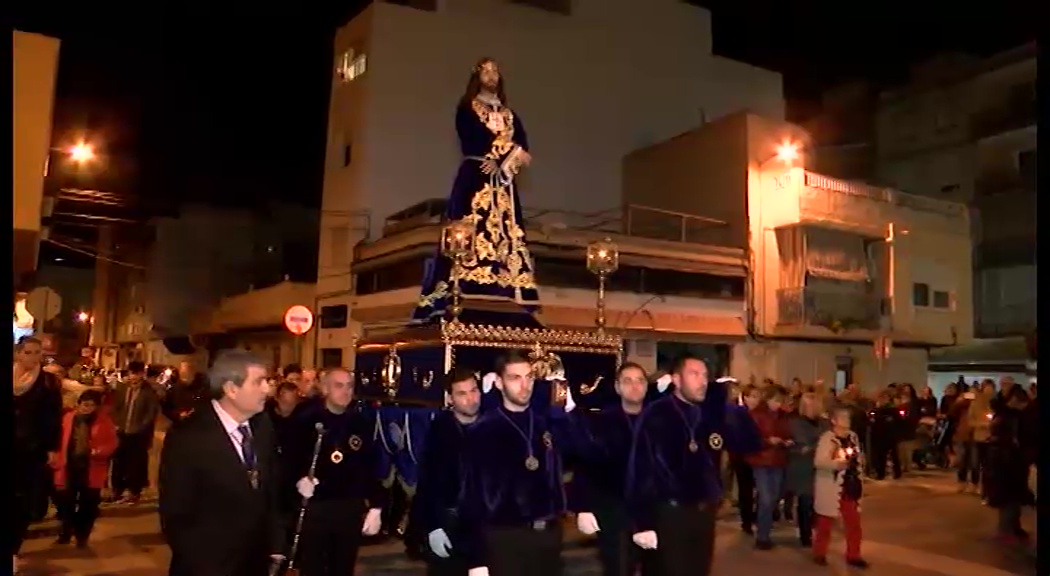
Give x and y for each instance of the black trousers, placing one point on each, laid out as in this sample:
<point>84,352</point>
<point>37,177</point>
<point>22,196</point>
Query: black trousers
<point>881,449</point>
<point>26,491</point>
<point>454,565</point>
<point>130,470</point>
<point>78,507</point>
<point>686,535</point>
<point>617,553</point>
<point>745,497</point>
<point>525,551</point>
<point>331,537</point>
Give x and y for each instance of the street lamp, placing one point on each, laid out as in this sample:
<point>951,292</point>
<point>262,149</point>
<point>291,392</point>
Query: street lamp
<point>80,153</point>
<point>603,258</point>
<point>83,317</point>
<point>457,244</point>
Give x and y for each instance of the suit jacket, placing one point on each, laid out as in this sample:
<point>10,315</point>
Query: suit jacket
<point>215,523</point>
<point>145,416</point>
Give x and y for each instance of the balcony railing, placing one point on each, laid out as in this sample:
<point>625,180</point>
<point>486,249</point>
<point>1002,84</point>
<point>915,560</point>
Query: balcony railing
<point>811,306</point>
<point>838,194</point>
<point>638,221</point>
<point>1009,320</point>
<point>1019,114</point>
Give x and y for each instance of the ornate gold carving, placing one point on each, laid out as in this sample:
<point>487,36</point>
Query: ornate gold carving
<point>486,336</point>
<point>392,372</point>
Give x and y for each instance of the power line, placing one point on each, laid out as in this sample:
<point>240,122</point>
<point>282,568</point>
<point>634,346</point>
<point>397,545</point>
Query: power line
<point>94,255</point>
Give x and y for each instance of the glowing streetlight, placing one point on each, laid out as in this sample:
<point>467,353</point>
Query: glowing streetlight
<point>787,152</point>
<point>81,153</point>
<point>83,317</point>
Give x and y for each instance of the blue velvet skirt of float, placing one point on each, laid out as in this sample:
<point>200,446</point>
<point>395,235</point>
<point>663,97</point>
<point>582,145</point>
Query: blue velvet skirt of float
<point>500,267</point>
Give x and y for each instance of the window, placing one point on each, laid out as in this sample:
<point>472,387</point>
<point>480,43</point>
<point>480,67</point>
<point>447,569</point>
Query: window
<point>347,154</point>
<point>920,294</point>
<point>351,65</point>
<point>331,358</point>
<point>942,299</point>
<point>334,316</point>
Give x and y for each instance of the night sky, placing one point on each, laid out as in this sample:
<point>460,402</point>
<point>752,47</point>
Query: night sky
<point>231,106</point>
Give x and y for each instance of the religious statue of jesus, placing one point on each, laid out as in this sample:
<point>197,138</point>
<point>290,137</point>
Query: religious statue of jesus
<point>495,148</point>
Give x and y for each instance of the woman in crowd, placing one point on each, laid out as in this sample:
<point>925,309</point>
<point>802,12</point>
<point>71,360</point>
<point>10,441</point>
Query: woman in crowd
<point>837,489</point>
<point>1008,458</point>
<point>768,464</point>
<point>806,427</point>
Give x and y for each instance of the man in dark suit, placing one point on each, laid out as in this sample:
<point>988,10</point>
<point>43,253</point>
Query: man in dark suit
<point>219,483</point>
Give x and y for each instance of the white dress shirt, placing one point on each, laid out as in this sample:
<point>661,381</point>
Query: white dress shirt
<point>231,426</point>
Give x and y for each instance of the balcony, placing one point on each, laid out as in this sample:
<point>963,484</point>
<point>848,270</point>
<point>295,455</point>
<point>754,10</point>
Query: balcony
<point>1020,113</point>
<point>837,310</point>
<point>1007,320</point>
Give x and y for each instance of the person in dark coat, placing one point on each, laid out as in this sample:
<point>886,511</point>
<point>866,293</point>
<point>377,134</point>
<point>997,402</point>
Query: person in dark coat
<point>219,482</point>
<point>1006,478</point>
<point>37,407</point>
<point>806,427</point>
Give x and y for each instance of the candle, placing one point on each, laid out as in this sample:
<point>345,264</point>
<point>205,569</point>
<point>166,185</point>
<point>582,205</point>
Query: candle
<point>988,415</point>
<point>849,451</point>
<point>901,412</point>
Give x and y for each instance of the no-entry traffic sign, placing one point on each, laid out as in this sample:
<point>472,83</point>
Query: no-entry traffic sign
<point>298,320</point>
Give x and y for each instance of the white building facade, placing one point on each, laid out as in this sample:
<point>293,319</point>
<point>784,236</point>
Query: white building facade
<point>591,80</point>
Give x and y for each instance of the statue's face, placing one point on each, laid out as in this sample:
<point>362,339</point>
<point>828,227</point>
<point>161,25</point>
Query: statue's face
<point>489,75</point>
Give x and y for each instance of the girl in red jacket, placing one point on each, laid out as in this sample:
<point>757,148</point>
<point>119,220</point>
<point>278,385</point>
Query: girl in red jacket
<point>89,438</point>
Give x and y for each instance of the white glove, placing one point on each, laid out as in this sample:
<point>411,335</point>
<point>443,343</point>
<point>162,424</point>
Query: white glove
<point>645,540</point>
<point>488,382</point>
<point>586,523</point>
<point>662,383</point>
<point>373,522</point>
<point>479,571</point>
<point>439,543</point>
<point>570,402</point>
<point>305,486</point>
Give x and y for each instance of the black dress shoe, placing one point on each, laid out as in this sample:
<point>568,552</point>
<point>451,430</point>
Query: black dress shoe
<point>763,545</point>
<point>747,530</point>
<point>806,543</point>
<point>858,563</point>
<point>64,539</point>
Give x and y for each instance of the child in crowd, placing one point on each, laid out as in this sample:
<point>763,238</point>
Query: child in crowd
<point>89,438</point>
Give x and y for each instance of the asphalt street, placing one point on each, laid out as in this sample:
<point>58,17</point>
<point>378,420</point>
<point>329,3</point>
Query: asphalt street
<point>919,526</point>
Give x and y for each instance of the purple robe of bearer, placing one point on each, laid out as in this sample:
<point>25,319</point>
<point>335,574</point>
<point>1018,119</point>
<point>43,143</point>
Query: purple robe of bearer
<point>494,147</point>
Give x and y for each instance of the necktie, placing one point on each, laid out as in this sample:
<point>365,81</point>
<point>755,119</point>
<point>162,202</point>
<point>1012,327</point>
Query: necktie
<point>247,447</point>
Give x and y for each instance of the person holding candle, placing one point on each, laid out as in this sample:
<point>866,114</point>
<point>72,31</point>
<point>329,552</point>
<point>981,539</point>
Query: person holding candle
<point>837,489</point>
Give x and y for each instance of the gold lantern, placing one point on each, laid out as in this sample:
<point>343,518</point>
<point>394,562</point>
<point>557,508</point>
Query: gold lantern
<point>603,258</point>
<point>391,375</point>
<point>457,244</point>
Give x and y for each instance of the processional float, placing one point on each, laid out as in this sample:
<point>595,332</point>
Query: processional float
<point>399,375</point>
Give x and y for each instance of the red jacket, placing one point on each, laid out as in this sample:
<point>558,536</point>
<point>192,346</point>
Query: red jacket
<point>770,424</point>
<point>102,441</point>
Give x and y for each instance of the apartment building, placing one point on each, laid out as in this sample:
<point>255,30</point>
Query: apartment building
<point>846,282</point>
